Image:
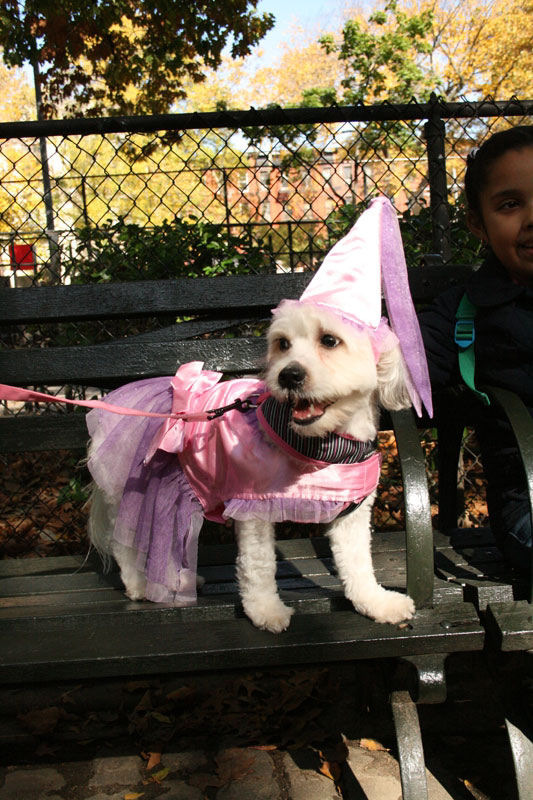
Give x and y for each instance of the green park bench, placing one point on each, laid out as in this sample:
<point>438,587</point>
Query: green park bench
<point>53,610</point>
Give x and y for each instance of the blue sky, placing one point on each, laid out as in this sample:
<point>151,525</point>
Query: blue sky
<point>317,15</point>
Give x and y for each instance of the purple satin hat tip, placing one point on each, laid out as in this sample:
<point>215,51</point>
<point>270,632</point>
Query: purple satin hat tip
<point>402,314</point>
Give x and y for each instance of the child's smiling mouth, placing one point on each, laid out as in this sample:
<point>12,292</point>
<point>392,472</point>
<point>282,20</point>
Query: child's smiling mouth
<point>525,247</point>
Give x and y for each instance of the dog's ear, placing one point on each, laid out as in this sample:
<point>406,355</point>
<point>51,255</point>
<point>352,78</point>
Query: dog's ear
<point>392,387</point>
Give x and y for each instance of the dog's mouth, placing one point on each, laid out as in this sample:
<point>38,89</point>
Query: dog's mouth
<point>305,412</point>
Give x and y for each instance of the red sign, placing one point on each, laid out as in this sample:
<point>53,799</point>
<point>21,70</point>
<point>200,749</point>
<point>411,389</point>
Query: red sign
<point>22,256</point>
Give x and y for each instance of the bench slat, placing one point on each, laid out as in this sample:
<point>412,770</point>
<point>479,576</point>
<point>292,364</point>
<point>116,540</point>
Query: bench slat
<point>149,298</point>
<point>254,293</point>
<point>388,568</point>
<point>111,649</point>
<point>186,330</point>
<point>511,624</point>
<point>123,361</point>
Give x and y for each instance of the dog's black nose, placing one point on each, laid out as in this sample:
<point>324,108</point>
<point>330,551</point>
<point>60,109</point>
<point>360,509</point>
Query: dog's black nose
<point>292,376</point>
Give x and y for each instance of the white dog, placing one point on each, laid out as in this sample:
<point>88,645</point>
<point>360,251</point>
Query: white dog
<point>326,372</point>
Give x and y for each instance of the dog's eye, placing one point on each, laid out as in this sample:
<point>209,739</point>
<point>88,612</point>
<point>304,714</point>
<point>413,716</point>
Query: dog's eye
<point>328,340</point>
<point>283,343</point>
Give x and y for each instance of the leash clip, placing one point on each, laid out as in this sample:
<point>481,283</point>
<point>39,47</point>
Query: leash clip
<point>249,403</point>
<point>238,405</point>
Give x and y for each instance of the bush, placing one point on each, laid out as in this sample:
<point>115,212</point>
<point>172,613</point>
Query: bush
<point>125,251</point>
<point>417,235</point>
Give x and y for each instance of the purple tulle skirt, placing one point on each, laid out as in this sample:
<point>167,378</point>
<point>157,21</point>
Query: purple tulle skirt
<point>159,516</point>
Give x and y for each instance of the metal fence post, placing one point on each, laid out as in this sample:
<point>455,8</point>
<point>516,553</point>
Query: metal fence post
<point>435,131</point>
<point>289,242</point>
<point>226,200</point>
<point>53,269</point>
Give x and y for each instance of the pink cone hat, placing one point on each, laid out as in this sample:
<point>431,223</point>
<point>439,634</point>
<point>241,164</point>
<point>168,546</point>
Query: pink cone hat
<point>349,284</point>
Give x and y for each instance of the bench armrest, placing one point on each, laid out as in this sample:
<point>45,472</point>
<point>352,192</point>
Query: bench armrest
<point>419,534</point>
<point>520,421</point>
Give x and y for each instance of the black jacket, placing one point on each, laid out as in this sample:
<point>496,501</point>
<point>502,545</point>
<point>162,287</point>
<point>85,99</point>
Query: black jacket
<point>504,358</point>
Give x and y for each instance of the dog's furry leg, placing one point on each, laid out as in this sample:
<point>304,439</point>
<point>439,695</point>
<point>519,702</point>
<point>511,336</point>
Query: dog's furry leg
<point>350,544</point>
<point>256,573</point>
<point>132,578</point>
<point>101,523</point>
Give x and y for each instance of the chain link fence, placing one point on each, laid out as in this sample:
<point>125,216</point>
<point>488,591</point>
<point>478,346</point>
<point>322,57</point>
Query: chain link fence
<point>119,199</point>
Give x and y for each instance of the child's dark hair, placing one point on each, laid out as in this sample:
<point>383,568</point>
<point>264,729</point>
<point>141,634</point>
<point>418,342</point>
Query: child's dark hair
<point>480,160</point>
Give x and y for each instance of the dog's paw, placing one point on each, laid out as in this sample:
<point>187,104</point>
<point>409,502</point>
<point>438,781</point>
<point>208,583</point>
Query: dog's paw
<point>135,585</point>
<point>135,593</point>
<point>269,614</point>
<point>200,581</point>
<point>391,607</point>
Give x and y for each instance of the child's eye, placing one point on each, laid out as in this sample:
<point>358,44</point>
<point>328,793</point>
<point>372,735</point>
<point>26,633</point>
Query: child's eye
<point>508,204</point>
<point>283,343</point>
<point>328,340</point>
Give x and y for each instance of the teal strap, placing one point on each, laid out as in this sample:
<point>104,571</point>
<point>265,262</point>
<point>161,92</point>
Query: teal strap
<point>465,335</point>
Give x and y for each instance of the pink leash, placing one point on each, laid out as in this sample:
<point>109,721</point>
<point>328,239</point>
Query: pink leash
<point>27,395</point>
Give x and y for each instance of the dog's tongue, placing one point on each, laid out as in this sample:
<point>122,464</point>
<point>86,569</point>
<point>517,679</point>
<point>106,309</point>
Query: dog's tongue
<point>304,410</point>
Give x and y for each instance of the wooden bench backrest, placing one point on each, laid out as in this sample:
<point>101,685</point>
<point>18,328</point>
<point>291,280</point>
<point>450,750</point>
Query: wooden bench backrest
<point>215,302</point>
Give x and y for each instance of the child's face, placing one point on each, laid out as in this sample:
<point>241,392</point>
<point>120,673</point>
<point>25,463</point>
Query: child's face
<point>506,222</point>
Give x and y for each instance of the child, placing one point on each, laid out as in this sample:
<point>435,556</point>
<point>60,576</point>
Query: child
<point>499,193</point>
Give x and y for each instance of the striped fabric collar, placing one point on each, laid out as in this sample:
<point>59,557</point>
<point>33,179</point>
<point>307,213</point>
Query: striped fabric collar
<point>330,449</point>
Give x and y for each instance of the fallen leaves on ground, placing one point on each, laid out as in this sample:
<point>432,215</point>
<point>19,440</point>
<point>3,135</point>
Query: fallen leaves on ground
<point>287,708</point>
<point>332,759</point>
<point>476,793</point>
<point>331,769</point>
<point>153,759</point>
<point>233,764</point>
<point>43,503</point>
<point>373,745</point>
<point>159,776</point>
<point>42,720</point>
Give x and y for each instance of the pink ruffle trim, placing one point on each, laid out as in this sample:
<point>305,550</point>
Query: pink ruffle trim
<point>283,509</point>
